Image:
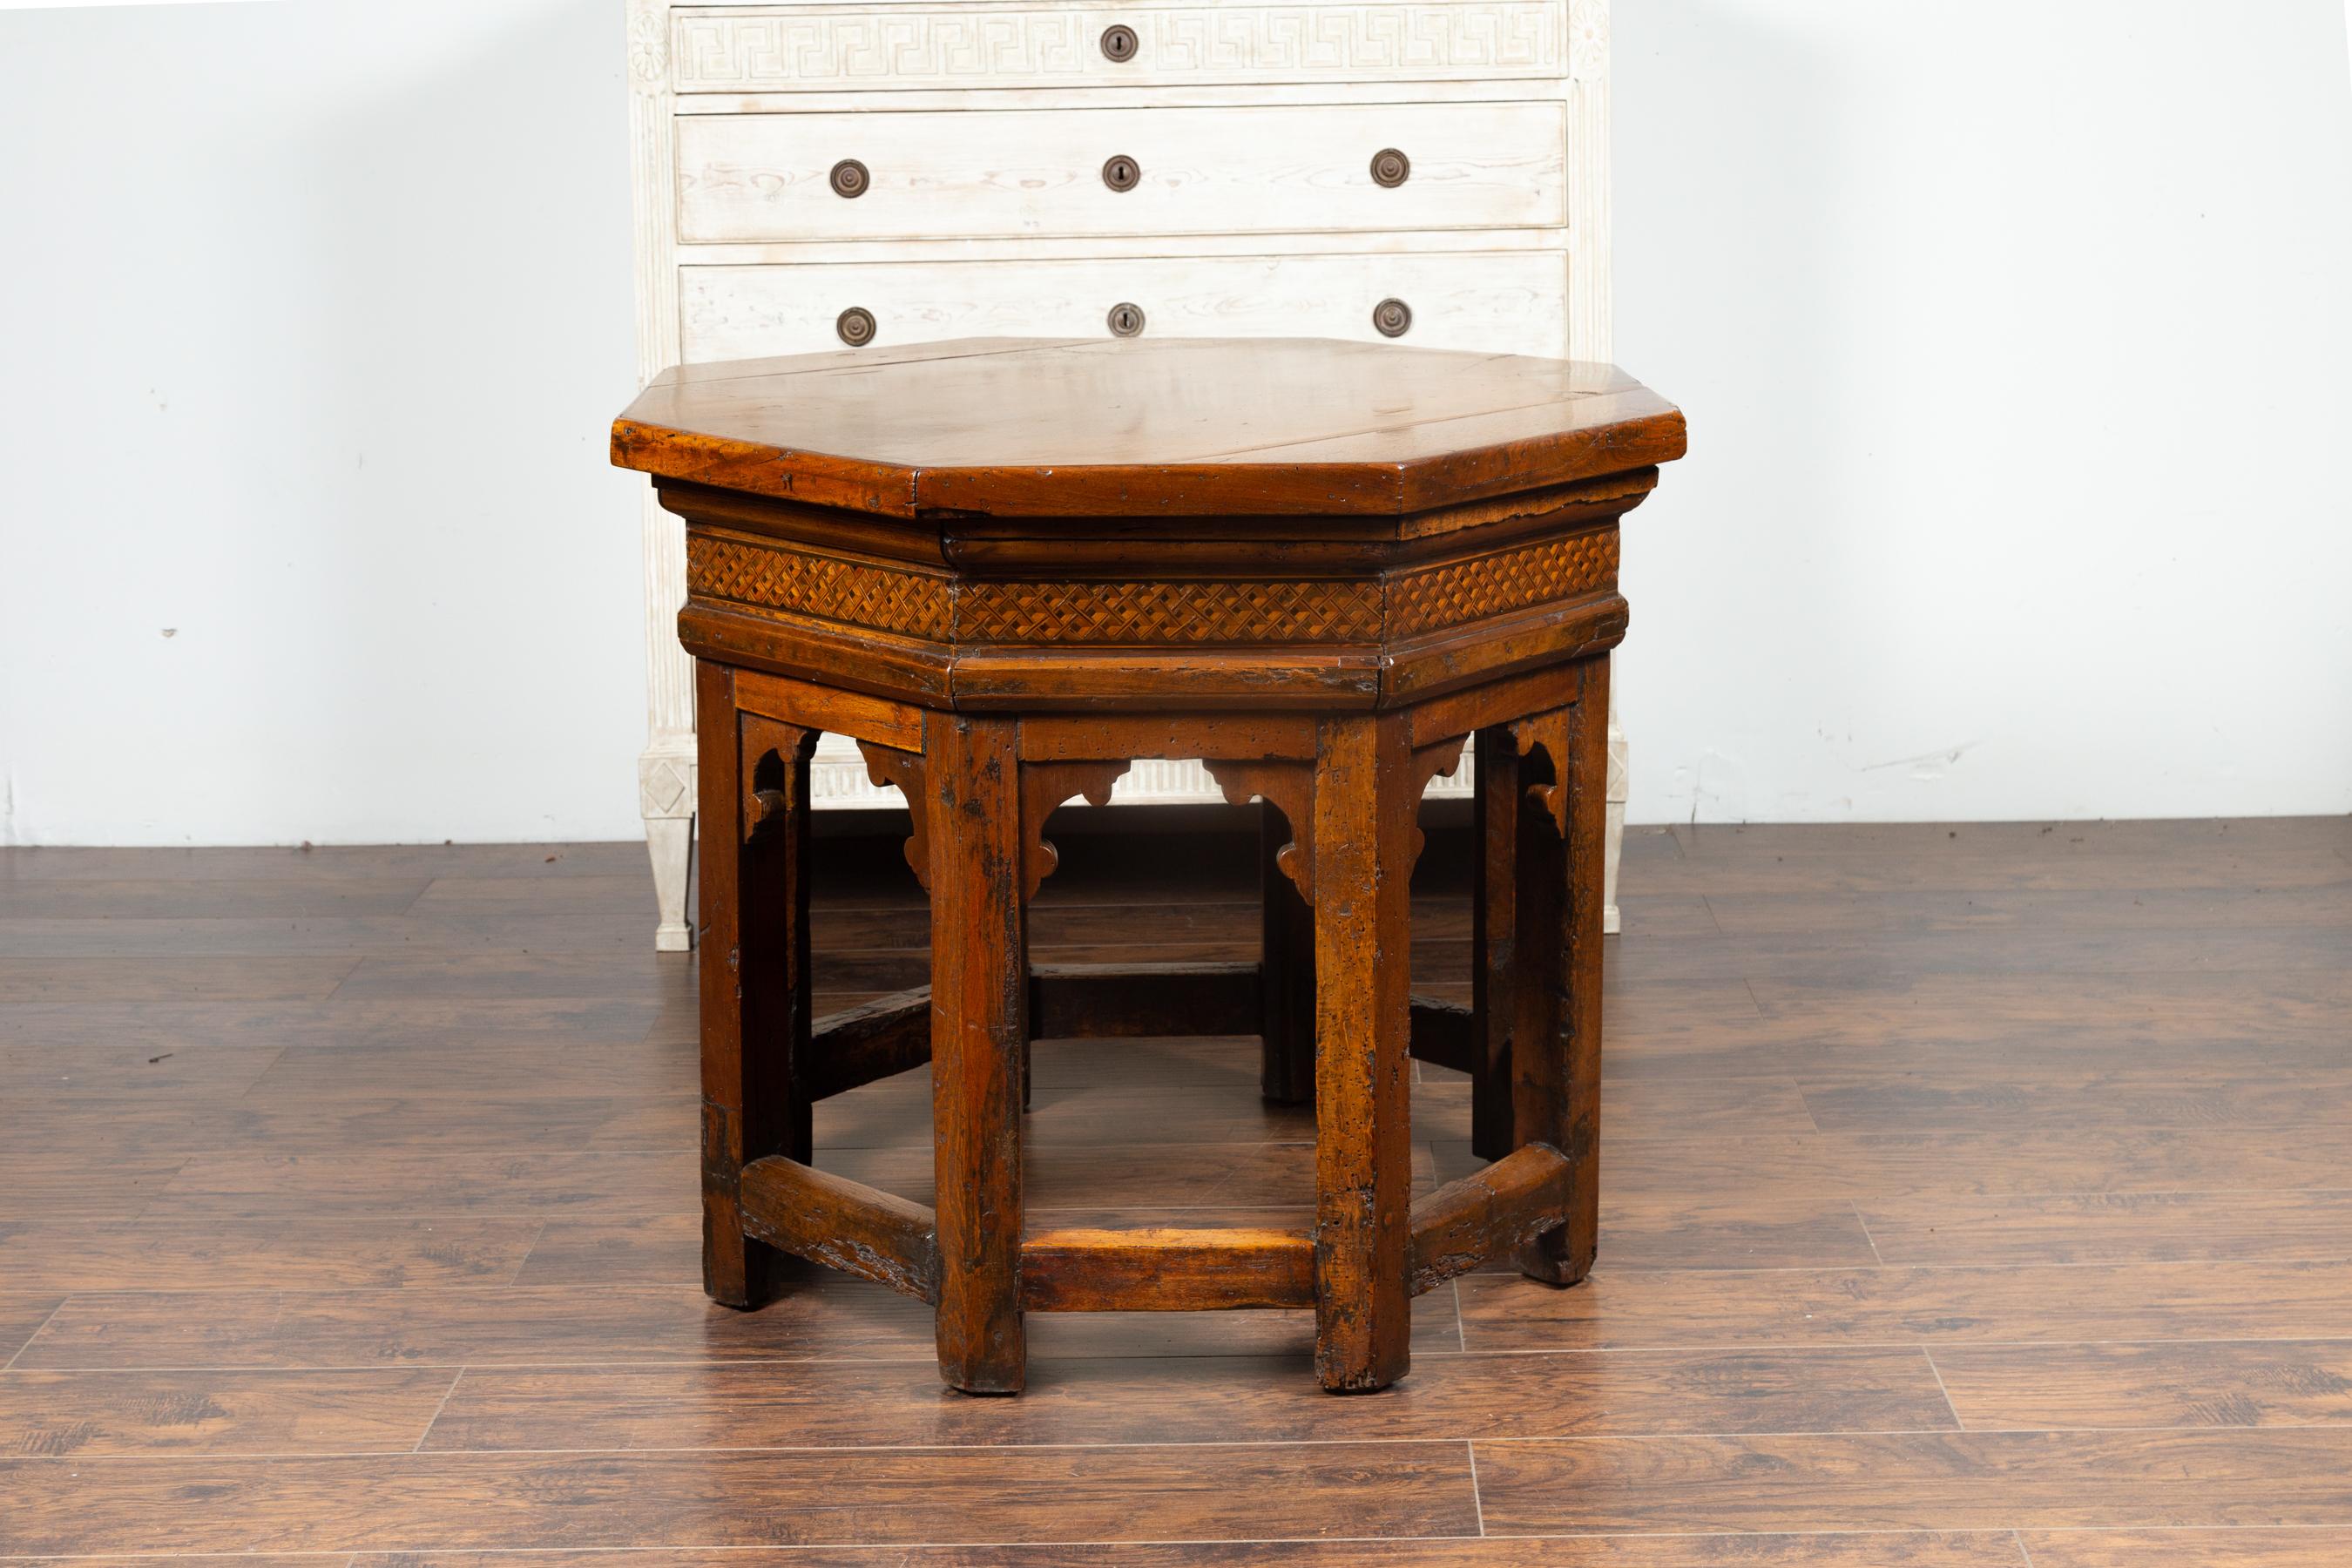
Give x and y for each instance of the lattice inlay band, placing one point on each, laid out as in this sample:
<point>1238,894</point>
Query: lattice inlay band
<point>1168,612</point>
<point>1162,613</point>
<point>721,52</point>
<point>1508,580</point>
<point>838,590</point>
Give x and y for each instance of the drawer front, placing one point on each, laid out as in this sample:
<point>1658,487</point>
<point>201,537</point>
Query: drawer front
<point>992,173</point>
<point>914,44</point>
<point>1494,301</point>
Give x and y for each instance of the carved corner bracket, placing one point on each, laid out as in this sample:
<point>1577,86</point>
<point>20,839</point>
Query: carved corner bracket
<point>1043,786</point>
<point>772,753</point>
<point>1289,786</point>
<point>1547,732</point>
<point>1428,762</point>
<point>887,765</point>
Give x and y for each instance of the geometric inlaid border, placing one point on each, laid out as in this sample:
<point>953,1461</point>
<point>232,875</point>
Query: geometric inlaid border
<point>1459,591</point>
<point>1153,613</point>
<point>911,603</point>
<point>1168,612</point>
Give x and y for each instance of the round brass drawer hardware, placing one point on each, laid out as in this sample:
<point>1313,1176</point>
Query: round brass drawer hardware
<point>1390,168</point>
<point>856,326</point>
<point>1121,173</point>
<point>1118,45</point>
<point>850,178</point>
<point>1126,320</point>
<point>1393,317</point>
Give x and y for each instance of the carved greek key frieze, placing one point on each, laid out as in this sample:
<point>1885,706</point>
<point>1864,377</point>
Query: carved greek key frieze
<point>1459,591</point>
<point>721,52</point>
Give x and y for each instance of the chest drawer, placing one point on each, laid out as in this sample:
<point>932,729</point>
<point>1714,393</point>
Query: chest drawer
<point>1087,171</point>
<point>915,44</point>
<point>1496,300</point>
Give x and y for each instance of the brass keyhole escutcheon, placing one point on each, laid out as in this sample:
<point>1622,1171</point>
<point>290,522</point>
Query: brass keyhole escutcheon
<point>856,326</point>
<point>1118,45</point>
<point>1126,320</point>
<point>850,178</point>
<point>1390,168</point>
<point>1393,317</point>
<point>1121,173</point>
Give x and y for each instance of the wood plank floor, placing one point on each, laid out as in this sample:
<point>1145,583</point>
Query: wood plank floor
<point>1974,1196</point>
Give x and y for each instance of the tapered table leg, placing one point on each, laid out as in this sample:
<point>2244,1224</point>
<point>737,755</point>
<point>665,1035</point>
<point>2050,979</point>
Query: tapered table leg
<point>754,970</point>
<point>1556,983</point>
<point>980,988</point>
<point>1363,1155</point>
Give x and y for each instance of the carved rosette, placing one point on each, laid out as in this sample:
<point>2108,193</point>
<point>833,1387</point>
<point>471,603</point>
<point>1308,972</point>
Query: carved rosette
<point>649,48</point>
<point>1588,39</point>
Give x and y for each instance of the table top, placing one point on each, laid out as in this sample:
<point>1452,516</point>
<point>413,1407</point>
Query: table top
<point>1144,427</point>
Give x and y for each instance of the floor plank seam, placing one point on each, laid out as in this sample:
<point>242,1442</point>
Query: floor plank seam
<point>983,1449</point>
<point>1927,1356</point>
<point>1865,1233</point>
<point>433,1419</point>
<point>1477,1502</point>
<point>38,1328</point>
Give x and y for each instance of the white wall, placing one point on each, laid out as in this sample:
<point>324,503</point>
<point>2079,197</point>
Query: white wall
<point>313,315</point>
<point>2014,338</point>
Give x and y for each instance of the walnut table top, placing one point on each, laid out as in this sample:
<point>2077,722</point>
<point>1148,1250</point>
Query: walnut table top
<point>1287,523</point>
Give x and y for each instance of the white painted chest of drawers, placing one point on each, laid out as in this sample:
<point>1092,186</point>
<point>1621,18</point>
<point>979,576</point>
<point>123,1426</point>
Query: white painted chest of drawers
<point>815,177</point>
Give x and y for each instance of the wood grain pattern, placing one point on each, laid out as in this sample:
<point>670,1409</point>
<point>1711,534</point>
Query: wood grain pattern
<point>980,1034</point>
<point>1362,1027</point>
<point>1918,1481</point>
<point>2183,1403</point>
<point>440,1501</point>
<point>1144,427</point>
<point>2112,1228</point>
<point>385,1253</point>
<point>1166,1269</point>
<point>94,1414</point>
<point>2247,1382</point>
<point>861,1406</point>
<point>1885,1305</point>
<point>1877,1548</point>
<point>2281,1547</point>
<point>843,1224</point>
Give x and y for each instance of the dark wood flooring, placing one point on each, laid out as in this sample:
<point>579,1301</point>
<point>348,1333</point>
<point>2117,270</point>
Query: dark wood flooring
<point>1974,1196</point>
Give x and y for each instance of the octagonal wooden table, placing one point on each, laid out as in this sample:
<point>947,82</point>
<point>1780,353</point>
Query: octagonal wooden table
<point>1008,570</point>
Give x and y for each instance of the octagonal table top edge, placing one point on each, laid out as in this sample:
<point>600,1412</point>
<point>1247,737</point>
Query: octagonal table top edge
<point>1049,427</point>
